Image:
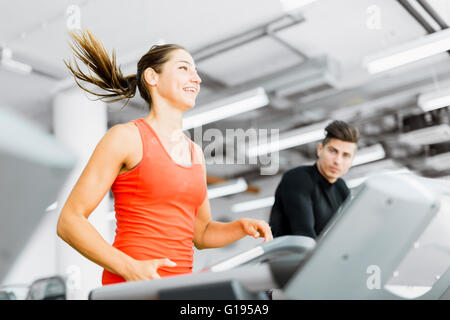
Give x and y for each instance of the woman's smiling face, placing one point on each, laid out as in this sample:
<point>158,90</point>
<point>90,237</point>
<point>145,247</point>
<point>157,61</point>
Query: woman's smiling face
<point>178,83</point>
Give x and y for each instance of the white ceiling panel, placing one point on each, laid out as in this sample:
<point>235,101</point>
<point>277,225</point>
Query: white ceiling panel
<point>249,61</point>
<point>340,30</point>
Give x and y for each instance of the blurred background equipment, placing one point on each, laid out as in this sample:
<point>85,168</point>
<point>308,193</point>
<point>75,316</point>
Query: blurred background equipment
<point>33,168</point>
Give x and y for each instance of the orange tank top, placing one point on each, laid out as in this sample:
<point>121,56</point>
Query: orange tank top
<point>156,203</point>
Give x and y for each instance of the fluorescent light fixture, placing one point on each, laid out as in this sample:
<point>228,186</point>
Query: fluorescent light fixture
<point>16,66</point>
<point>227,188</point>
<point>369,154</point>
<point>290,5</point>
<point>427,46</point>
<point>434,100</point>
<point>428,135</point>
<point>291,139</point>
<point>240,103</point>
<point>7,62</point>
<point>253,204</point>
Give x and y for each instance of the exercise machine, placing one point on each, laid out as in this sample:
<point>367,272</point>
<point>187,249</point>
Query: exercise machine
<point>374,232</point>
<point>242,276</point>
<point>33,168</point>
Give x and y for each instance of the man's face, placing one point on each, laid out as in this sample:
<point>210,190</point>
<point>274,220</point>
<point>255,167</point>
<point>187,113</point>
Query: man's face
<point>335,158</point>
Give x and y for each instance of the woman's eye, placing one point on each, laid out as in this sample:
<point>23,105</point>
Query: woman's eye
<point>183,67</point>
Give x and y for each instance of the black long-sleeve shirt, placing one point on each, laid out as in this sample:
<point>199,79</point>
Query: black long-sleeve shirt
<point>305,202</point>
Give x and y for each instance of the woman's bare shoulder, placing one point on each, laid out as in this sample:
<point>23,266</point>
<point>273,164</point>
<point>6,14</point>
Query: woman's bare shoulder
<point>123,136</point>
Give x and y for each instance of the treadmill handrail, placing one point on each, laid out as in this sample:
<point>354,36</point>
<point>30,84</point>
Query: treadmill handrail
<point>253,277</point>
<point>294,244</point>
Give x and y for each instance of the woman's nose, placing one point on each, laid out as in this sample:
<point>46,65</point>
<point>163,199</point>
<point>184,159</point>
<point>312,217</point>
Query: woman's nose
<point>196,78</point>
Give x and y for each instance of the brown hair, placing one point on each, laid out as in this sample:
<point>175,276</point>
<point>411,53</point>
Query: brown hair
<point>93,54</point>
<point>342,131</point>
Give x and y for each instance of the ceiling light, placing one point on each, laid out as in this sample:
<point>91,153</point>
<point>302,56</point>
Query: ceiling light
<point>227,188</point>
<point>240,103</point>
<point>434,100</point>
<point>7,62</point>
<point>429,135</point>
<point>253,204</point>
<point>291,139</point>
<point>424,47</point>
<point>369,154</point>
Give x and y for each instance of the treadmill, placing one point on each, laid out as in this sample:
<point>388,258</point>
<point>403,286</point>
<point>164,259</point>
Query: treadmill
<point>246,275</point>
<point>376,229</point>
<point>387,234</point>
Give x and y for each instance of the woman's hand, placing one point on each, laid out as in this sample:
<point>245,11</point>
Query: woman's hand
<point>147,269</point>
<point>256,228</point>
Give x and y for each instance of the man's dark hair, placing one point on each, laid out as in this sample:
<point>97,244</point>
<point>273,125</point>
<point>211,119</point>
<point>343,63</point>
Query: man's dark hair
<point>342,131</point>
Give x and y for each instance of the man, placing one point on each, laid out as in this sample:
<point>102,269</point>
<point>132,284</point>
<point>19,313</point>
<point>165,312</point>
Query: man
<point>308,196</point>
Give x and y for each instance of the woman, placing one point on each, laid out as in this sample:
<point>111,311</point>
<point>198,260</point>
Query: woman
<point>156,173</point>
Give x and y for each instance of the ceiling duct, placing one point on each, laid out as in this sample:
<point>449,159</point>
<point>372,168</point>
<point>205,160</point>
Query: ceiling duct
<point>311,76</point>
<point>305,85</point>
<point>279,24</point>
<point>439,148</point>
<point>317,74</point>
<point>428,119</point>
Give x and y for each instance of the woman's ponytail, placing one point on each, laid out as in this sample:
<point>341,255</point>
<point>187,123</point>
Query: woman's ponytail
<point>94,56</point>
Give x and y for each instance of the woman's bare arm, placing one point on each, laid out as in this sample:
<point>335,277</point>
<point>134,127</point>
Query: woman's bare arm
<point>93,184</point>
<point>213,234</point>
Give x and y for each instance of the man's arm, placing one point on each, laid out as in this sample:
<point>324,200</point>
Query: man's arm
<point>297,204</point>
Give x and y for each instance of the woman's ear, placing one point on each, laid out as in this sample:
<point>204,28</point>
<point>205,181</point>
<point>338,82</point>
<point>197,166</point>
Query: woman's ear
<point>151,77</point>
